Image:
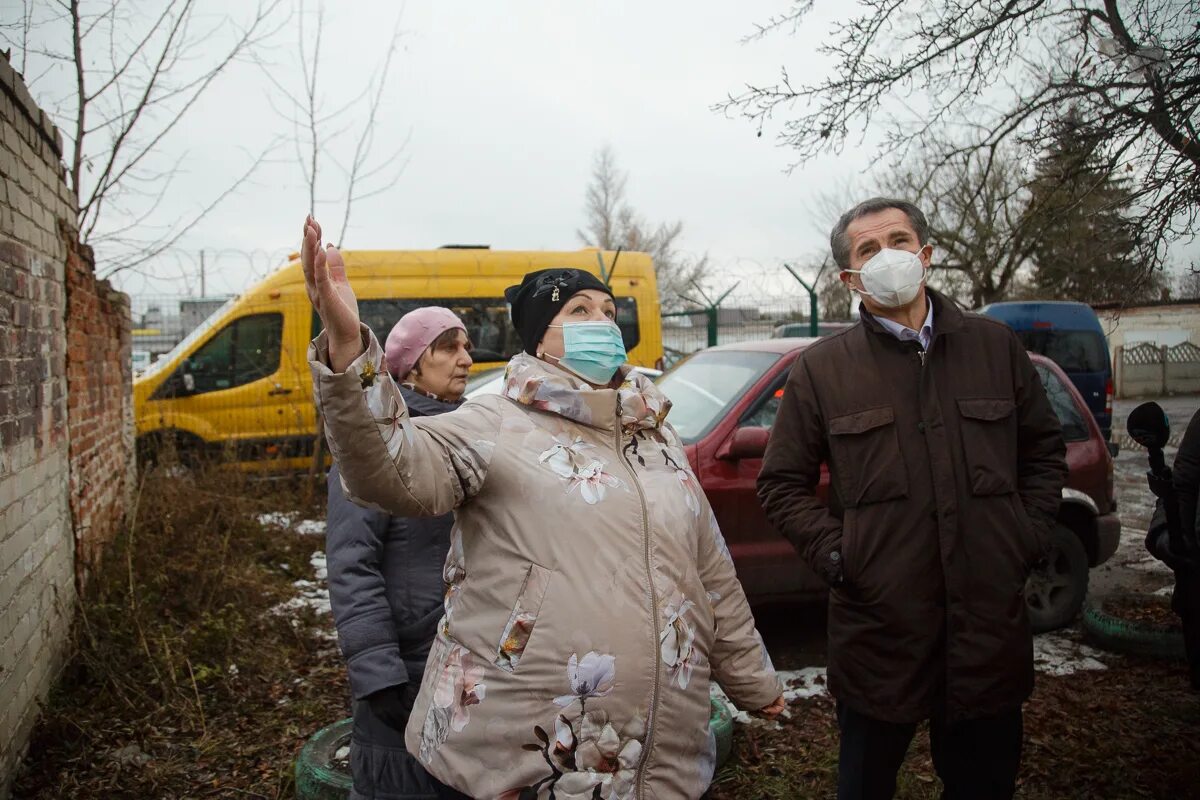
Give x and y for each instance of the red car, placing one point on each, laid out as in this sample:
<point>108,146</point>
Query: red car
<point>725,400</point>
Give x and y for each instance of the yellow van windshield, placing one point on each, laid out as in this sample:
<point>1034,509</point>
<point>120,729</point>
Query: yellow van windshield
<point>492,335</point>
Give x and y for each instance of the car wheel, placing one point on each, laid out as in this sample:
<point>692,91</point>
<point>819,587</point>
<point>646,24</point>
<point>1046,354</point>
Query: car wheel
<point>321,769</point>
<point>1056,588</point>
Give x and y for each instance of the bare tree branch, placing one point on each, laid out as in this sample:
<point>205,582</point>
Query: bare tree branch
<point>992,74</point>
<point>613,224</point>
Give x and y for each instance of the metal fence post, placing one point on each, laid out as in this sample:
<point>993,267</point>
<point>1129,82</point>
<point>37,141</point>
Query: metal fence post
<point>711,311</point>
<point>1162,354</point>
<point>813,312</point>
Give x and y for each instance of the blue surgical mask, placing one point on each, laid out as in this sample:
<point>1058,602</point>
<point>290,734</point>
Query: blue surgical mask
<point>592,350</point>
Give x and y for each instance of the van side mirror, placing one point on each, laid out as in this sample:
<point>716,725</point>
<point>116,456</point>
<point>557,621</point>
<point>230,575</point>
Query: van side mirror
<point>748,442</point>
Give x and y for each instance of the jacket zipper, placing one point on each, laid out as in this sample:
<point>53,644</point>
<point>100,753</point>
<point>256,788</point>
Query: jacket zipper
<point>654,645</point>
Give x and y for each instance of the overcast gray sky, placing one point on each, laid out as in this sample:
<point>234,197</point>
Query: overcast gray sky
<point>504,106</point>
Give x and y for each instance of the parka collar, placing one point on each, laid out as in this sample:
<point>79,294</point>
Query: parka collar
<point>638,402</point>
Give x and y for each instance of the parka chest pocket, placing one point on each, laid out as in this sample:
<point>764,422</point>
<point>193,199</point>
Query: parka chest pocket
<point>866,457</point>
<point>989,442</point>
<point>523,618</point>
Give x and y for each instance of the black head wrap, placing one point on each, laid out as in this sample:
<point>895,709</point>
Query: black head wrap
<point>540,295</point>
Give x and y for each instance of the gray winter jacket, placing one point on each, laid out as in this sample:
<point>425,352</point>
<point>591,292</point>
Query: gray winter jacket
<point>385,580</point>
<point>385,584</point>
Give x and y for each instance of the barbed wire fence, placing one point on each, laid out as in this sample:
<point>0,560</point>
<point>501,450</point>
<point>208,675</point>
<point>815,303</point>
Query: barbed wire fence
<point>748,299</point>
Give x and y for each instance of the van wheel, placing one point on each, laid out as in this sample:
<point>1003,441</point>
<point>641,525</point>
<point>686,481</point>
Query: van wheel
<point>1056,588</point>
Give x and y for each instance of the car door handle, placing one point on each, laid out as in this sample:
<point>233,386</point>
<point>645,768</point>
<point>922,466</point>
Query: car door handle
<point>279,390</point>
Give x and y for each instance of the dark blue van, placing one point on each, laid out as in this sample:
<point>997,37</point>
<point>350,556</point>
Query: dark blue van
<point>1070,335</point>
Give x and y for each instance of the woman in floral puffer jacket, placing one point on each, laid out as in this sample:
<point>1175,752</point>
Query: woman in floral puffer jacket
<point>590,596</point>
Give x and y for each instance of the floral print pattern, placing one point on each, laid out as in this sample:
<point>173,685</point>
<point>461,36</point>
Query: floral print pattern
<point>642,406</point>
<point>591,676</point>
<point>568,460</point>
<point>519,627</point>
<point>460,686</point>
<point>527,382</point>
<point>588,757</point>
<point>390,415</point>
<point>678,641</point>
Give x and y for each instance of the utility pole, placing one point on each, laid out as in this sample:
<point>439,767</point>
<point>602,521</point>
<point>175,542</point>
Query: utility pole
<point>202,292</point>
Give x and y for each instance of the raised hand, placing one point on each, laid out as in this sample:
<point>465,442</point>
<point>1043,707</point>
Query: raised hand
<point>330,294</point>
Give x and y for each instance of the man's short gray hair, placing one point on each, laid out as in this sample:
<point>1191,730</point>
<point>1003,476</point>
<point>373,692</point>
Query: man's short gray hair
<point>841,245</point>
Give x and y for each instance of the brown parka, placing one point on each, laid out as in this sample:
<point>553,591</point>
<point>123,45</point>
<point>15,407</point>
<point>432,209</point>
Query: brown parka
<point>946,474</point>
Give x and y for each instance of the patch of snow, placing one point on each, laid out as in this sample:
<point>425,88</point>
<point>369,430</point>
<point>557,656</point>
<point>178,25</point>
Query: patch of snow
<point>803,683</point>
<point>1056,653</point>
<point>310,527</point>
<point>1150,564</point>
<point>797,684</point>
<point>276,519</point>
<point>1166,591</point>
<point>312,594</point>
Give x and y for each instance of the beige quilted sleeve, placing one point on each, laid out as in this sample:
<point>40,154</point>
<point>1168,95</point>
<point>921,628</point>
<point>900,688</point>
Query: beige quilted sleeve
<point>422,467</point>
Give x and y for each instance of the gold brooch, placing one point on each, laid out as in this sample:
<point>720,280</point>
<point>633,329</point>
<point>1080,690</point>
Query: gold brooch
<point>367,376</point>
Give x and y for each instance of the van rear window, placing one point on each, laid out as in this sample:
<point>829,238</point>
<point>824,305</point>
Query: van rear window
<point>486,318</point>
<point>1074,351</point>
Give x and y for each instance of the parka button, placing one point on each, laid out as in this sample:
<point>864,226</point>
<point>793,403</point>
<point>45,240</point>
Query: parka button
<point>835,556</point>
<point>921,426</point>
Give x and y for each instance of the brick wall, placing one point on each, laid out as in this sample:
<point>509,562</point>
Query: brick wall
<point>44,304</point>
<point>99,406</point>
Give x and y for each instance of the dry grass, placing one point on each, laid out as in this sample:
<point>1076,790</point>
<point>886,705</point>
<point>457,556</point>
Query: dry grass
<point>1132,731</point>
<point>182,683</point>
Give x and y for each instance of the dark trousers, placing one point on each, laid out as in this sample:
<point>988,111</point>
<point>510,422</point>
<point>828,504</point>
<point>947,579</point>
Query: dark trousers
<point>976,759</point>
<point>1186,603</point>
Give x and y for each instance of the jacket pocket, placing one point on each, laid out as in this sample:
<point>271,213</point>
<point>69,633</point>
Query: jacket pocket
<point>1032,540</point>
<point>523,618</point>
<point>866,457</point>
<point>989,441</point>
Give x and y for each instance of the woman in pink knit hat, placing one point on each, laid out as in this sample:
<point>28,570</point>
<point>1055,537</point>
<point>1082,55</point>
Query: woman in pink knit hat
<point>385,572</point>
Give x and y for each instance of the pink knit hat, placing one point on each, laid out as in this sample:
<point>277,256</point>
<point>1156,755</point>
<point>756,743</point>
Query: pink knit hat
<point>413,334</point>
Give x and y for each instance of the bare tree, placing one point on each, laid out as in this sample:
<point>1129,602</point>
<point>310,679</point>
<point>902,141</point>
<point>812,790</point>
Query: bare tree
<point>135,74</point>
<point>979,220</point>
<point>995,73</point>
<point>612,223</point>
<point>319,130</point>
<point>834,297</point>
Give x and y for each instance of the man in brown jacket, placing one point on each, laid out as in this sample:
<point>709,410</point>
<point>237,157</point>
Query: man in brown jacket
<point>947,464</point>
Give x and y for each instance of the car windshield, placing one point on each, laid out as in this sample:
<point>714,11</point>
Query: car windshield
<point>706,385</point>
